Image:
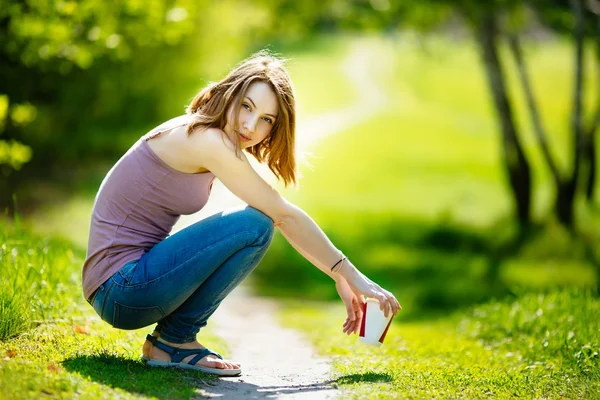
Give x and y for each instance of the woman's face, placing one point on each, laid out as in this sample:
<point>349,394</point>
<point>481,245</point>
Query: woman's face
<point>258,112</point>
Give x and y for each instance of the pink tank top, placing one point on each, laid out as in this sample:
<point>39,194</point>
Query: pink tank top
<point>138,202</point>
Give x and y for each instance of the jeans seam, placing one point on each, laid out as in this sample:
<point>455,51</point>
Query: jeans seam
<point>105,299</point>
<point>93,297</point>
<point>184,263</point>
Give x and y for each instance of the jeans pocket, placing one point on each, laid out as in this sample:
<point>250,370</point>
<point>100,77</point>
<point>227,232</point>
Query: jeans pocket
<point>126,317</point>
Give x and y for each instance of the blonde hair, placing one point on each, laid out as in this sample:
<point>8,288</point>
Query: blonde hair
<point>209,109</point>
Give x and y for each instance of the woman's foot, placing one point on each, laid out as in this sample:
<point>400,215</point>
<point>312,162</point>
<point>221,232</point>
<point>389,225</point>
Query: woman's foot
<point>209,361</point>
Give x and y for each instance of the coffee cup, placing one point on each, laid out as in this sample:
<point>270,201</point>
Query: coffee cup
<point>374,324</point>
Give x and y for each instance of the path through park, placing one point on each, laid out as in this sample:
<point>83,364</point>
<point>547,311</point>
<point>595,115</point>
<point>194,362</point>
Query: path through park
<point>278,362</point>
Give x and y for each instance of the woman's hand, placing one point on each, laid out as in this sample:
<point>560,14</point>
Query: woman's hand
<point>361,285</point>
<point>354,306</point>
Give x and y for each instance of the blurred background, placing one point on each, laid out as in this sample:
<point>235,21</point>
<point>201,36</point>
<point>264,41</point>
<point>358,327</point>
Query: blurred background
<point>448,147</point>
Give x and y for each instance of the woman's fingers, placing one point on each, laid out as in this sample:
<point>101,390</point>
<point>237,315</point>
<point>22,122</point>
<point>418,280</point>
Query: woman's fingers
<point>388,302</point>
<point>349,327</point>
<point>398,306</point>
<point>352,325</point>
<point>384,304</point>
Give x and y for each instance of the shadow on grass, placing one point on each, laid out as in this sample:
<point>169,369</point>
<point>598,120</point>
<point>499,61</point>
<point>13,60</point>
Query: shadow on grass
<point>370,377</point>
<point>135,377</point>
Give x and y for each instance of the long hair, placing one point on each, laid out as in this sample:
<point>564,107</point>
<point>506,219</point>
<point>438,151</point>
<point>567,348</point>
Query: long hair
<point>209,109</point>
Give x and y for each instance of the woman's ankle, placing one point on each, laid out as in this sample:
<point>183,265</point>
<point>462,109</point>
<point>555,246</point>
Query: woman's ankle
<point>187,345</point>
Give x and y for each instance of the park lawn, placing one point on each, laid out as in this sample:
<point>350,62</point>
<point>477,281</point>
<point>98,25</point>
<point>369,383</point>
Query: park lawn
<point>52,343</point>
<point>533,346</point>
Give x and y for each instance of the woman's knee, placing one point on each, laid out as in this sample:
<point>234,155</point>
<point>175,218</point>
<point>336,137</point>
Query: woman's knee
<point>257,219</point>
<point>251,220</point>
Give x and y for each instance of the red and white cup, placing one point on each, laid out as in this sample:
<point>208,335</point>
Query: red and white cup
<point>374,324</point>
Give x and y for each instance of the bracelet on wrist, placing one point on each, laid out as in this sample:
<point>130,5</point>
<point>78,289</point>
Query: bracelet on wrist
<point>340,263</point>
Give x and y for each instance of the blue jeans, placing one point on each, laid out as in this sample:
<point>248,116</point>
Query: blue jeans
<point>182,280</point>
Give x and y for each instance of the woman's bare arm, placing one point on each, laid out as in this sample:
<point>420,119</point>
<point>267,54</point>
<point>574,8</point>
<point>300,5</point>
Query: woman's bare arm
<point>308,256</point>
<point>217,155</point>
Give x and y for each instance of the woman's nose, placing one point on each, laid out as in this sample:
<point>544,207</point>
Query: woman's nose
<point>250,124</point>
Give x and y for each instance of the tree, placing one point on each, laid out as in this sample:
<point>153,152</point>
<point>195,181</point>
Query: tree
<point>45,46</point>
<point>490,24</point>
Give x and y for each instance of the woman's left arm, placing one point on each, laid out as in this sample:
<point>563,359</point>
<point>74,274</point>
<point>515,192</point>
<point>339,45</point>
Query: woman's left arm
<point>352,301</point>
<point>310,241</point>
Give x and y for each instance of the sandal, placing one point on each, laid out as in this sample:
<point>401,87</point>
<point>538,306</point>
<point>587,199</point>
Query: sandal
<point>177,355</point>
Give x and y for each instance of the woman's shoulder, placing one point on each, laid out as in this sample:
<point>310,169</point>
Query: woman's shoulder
<point>210,139</point>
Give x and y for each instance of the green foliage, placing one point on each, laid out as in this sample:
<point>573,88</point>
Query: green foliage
<point>14,154</point>
<point>60,35</point>
<point>83,80</point>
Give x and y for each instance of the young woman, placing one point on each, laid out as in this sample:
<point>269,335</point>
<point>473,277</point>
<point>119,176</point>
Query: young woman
<point>135,274</point>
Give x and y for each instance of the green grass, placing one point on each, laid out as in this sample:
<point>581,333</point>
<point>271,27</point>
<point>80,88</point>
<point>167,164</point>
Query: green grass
<point>53,344</point>
<point>532,346</point>
<point>39,278</point>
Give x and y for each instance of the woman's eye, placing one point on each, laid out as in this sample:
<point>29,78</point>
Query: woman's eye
<point>269,120</point>
<point>246,106</point>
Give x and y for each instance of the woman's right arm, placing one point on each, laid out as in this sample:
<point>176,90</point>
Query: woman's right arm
<point>217,154</point>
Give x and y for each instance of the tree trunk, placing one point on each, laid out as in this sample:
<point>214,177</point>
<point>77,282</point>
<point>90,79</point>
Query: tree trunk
<point>566,192</point>
<point>536,120</point>
<point>591,157</point>
<point>564,202</point>
<point>591,136</point>
<point>516,164</point>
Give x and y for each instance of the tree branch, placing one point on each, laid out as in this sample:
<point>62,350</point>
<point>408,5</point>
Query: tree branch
<point>577,7</point>
<point>540,133</point>
<point>596,119</point>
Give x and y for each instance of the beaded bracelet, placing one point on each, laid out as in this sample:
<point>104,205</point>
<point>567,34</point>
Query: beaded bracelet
<point>340,261</point>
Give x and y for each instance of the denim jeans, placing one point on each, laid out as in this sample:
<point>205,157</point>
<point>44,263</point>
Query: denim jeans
<point>180,282</point>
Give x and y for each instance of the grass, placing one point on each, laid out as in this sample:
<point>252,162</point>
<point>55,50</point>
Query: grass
<point>532,346</point>
<point>52,343</point>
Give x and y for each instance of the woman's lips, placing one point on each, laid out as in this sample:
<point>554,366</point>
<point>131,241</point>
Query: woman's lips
<point>244,138</point>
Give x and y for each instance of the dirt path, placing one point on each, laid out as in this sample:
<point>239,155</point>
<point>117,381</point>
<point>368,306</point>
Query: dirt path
<point>277,362</point>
